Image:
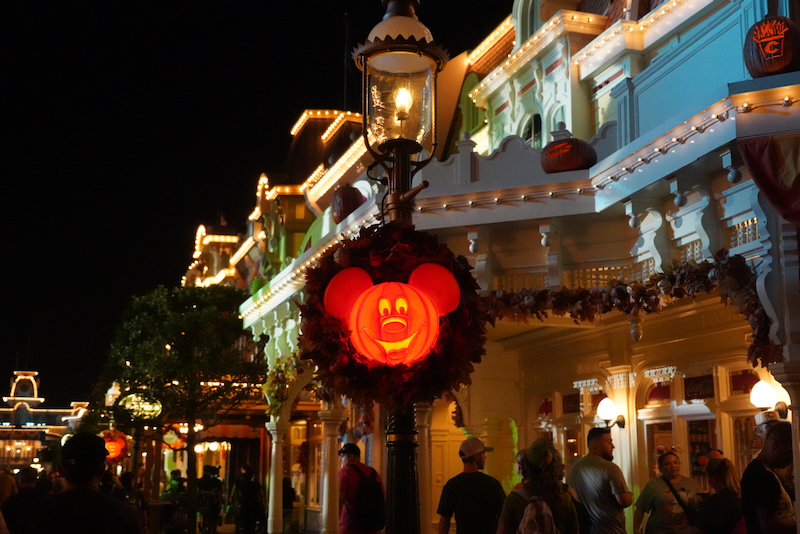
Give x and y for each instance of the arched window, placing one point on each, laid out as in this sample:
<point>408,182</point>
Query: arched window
<point>559,116</point>
<point>532,131</point>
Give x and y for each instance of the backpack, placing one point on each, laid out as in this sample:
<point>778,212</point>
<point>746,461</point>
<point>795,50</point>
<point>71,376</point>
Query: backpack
<point>369,510</point>
<point>537,518</point>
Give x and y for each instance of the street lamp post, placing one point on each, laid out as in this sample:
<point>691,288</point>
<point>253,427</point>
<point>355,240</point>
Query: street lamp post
<point>400,62</point>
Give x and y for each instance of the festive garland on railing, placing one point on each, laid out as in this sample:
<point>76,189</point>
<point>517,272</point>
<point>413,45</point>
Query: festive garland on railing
<point>731,275</point>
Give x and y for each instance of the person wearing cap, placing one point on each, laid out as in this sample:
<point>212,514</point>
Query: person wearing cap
<point>475,498</point>
<point>600,484</point>
<point>349,480</point>
<point>83,508</point>
<point>764,421</point>
<point>766,506</point>
<point>542,469</point>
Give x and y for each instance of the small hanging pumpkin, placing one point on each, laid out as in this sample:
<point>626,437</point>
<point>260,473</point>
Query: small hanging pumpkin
<point>567,153</point>
<point>346,199</point>
<point>771,46</point>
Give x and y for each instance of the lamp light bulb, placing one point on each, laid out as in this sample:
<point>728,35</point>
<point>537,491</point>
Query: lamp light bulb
<point>763,395</point>
<point>607,410</point>
<point>403,100</point>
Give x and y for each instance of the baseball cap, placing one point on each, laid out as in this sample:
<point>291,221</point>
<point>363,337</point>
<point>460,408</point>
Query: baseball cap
<point>84,451</point>
<point>538,453</point>
<point>769,416</point>
<point>471,447</point>
<point>350,448</point>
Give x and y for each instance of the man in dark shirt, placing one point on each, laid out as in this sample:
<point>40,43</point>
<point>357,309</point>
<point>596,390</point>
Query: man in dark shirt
<point>766,506</point>
<point>476,499</point>
<point>82,508</point>
<point>17,507</point>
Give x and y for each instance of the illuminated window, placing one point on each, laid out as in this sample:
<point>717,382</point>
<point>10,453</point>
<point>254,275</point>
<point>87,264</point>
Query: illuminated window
<point>532,132</point>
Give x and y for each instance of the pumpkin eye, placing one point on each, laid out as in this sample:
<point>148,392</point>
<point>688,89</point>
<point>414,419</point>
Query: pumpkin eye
<point>401,306</point>
<point>383,307</point>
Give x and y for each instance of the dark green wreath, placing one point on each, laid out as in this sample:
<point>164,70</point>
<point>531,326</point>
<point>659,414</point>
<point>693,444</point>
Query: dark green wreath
<point>389,253</point>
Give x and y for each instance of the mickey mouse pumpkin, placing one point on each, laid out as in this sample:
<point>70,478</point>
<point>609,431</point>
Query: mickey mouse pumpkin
<point>393,323</point>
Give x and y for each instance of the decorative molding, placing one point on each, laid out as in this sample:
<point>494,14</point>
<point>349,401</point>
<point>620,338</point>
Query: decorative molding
<point>661,374</point>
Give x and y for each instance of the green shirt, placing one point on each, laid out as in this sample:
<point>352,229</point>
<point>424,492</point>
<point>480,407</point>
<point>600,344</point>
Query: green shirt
<point>666,515</point>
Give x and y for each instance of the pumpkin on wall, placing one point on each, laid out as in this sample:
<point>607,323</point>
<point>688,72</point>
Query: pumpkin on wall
<point>566,153</point>
<point>771,46</point>
<point>346,199</point>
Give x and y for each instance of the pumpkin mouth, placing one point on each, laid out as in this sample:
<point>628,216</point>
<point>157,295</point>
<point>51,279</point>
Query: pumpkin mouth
<point>393,324</point>
<point>393,349</point>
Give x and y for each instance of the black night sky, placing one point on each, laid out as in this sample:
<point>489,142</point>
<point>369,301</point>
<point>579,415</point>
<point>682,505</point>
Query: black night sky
<point>127,124</point>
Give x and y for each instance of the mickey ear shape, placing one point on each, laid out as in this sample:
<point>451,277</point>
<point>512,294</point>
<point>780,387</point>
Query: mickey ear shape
<point>343,291</point>
<point>439,284</point>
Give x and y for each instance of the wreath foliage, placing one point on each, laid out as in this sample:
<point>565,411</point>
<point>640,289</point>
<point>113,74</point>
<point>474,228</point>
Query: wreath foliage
<point>389,253</point>
<point>281,377</point>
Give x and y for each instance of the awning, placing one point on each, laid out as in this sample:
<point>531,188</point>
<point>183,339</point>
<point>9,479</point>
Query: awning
<point>221,432</point>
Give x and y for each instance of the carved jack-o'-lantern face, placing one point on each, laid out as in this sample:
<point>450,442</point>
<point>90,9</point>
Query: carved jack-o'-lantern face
<point>393,323</point>
<point>114,448</point>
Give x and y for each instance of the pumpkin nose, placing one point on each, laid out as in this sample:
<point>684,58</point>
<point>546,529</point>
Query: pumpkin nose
<point>393,324</point>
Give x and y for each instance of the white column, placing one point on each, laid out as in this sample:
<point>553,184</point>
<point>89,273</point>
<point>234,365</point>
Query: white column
<point>424,412</point>
<point>277,430</point>
<point>331,417</point>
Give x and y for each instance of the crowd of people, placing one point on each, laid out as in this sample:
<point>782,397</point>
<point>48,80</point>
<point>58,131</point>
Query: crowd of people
<point>595,495</point>
<point>84,496</point>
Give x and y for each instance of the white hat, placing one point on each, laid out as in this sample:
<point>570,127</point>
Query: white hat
<point>472,446</point>
<point>767,417</point>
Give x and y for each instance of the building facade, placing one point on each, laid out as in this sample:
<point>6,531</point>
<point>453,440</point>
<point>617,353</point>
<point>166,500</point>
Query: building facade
<point>660,90</point>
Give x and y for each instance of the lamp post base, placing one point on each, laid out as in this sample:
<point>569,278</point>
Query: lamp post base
<point>402,486</point>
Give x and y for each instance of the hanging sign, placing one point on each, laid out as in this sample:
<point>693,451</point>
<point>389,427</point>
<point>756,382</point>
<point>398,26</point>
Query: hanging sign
<point>139,407</point>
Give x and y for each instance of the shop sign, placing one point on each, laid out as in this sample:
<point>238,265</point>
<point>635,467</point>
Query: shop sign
<point>699,387</point>
<point>571,403</point>
<point>141,408</point>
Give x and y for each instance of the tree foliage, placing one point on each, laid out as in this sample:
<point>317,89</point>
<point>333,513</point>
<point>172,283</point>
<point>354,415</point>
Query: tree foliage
<point>185,348</point>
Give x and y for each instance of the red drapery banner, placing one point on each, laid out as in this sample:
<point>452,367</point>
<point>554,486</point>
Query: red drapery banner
<point>774,164</point>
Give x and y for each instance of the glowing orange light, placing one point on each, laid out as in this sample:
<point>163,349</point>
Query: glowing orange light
<point>114,448</point>
<point>393,323</point>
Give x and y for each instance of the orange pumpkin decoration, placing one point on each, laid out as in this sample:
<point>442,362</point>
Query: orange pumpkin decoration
<point>115,447</point>
<point>567,154</point>
<point>771,47</point>
<point>393,323</point>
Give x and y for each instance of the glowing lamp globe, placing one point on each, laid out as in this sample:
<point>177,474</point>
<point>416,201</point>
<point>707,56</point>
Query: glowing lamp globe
<point>393,323</point>
<point>607,410</point>
<point>400,61</point>
<point>763,395</point>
